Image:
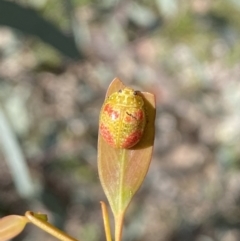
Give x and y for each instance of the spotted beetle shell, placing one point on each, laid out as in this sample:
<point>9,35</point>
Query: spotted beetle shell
<point>123,119</point>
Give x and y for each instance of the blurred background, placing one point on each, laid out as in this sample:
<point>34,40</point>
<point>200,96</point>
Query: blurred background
<point>57,58</point>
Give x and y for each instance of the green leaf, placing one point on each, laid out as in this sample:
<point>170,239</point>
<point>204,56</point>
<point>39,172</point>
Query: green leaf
<point>122,171</point>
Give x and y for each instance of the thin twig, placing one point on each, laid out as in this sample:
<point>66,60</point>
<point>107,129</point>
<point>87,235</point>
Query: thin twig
<point>106,222</point>
<point>47,227</point>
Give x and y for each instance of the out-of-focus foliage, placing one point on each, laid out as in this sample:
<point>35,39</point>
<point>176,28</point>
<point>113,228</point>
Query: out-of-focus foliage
<point>186,52</point>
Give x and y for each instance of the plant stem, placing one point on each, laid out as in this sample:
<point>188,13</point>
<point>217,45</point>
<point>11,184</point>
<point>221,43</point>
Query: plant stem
<point>106,222</point>
<point>119,227</point>
<point>47,227</point>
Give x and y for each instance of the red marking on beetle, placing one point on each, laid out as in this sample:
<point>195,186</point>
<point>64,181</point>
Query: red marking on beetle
<point>134,117</point>
<point>132,139</point>
<point>111,112</point>
<point>129,118</point>
<point>108,108</point>
<point>139,114</point>
<point>106,134</point>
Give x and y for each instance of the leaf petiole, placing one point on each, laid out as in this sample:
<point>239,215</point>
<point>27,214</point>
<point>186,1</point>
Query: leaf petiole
<point>40,221</point>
